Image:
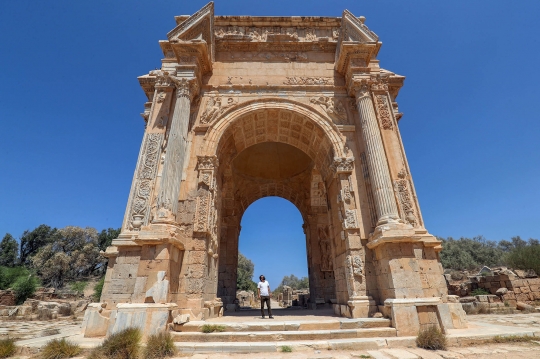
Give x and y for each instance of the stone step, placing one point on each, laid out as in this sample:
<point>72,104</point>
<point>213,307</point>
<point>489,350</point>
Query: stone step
<point>278,336</point>
<point>276,325</point>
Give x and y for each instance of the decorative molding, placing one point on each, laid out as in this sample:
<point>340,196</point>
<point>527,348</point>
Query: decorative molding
<point>140,204</point>
<point>207,162</point>
<point>385,118</point>
<point>401,187</point>
<point>332,106</point>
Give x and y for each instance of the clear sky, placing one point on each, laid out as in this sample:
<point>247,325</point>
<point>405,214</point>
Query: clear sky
<point>71,130</point>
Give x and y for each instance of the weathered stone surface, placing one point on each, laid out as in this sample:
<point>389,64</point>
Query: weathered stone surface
<point>240,110</point>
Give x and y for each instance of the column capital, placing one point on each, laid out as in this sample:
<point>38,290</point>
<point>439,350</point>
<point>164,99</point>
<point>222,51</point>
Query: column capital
<point>185,87</point>
<point>362,86</point>
<point>342,165</point>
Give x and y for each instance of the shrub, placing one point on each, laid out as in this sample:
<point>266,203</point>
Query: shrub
<point>480,291</point>
<point>24,288</point>
<point>7,348</point>
<point>431,338</point>
<point>210,328</point>
<point>98,288</point>
<point>159,346</point>
<point>122,345</point>
<point>8,276</point>
<point>60,349</point>
<point>512,339</point>
<point>286,349</point>
<point>79,287</point>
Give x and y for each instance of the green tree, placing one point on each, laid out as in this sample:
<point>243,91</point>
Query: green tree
<point>25,287</point>
<point>72,253</point>
<point>106,236</point>
<point>8,251</point>
<point>32,241</point>
<point>470,253</point>
<point>294,282</point>
<point>244,275</point>
<point>525,257</point>
<point>9,275</point>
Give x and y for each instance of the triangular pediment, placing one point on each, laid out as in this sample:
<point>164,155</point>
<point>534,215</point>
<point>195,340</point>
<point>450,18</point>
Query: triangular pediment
<point>197,28</point>
<point>352,29</point>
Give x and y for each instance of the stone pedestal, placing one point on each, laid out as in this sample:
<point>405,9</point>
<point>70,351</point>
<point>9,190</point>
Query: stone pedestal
<point>362,307</point>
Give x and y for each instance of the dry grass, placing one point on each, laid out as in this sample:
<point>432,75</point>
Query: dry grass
<point>7,348</point>
<point>210,328</point>
<point>286,349</point>
<point>60,349</point>
<point>122,345</point>
<point>50,331</point>
<point>431,338</point>
<point>159,346</point>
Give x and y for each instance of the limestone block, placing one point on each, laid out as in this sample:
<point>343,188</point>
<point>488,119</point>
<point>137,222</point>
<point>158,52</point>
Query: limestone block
<point>524,306</point>
<point>482,298</point>
<point>459,317</point>
<point>159,291</point>
<point>501,291</point>
<point>445,317</point>
<point>453,299</point>
<point>94,323</point>
<point>405,320</point>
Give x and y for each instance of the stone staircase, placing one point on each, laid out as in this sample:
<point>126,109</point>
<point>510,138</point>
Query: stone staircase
<point>268,335</point>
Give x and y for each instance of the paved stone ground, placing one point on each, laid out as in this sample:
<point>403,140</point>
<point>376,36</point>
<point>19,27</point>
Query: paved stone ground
<point>29,329</point>
<point>497,351</point>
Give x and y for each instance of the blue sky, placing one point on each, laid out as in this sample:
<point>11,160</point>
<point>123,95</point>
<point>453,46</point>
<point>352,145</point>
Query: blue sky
<point>71,129</point>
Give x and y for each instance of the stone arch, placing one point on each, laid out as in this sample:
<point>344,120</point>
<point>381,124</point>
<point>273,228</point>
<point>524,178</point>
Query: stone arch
<point>279,119</point>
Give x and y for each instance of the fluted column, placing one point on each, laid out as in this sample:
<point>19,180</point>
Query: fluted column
<point>381,183</point>
<point>167,203</point>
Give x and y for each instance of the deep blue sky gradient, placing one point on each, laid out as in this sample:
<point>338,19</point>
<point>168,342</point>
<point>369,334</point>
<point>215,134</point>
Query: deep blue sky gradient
<point>71,129</point>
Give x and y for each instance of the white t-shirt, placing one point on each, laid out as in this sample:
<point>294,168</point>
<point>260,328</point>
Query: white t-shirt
<point>264,287</point>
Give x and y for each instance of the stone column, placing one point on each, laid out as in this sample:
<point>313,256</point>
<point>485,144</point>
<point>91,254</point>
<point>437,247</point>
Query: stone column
<point>167,203</point>
<point>381,183</point>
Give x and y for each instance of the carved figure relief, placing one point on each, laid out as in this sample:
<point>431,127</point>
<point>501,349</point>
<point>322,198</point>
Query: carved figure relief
<point>406,204</point>
<point>385,117</point>
<point>326,250</point>
<point>141,201</point>
<point>333,107</point>
<point>318,191</point>
<point>353,273</point>
<point>215,107</point>
<point>350,221</point>
<point>310,35</point>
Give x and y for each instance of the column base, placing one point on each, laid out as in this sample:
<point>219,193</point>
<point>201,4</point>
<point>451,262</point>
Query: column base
<point>363,307</point>
<point>409,316</point>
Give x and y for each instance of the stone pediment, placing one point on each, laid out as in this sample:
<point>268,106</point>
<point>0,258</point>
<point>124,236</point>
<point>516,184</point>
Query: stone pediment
<point>357,44</point>
<point>195,36</point>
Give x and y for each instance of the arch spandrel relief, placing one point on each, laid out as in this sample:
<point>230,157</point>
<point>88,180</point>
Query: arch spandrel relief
<point>248,107</point>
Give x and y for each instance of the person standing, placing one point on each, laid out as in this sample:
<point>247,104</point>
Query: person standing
<point>263,290</point>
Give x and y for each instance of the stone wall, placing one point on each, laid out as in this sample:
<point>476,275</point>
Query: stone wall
<point>518,289</point>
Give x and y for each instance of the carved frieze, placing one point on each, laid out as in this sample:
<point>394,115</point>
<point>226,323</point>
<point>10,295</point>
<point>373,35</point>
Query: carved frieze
<point>332,106</point>
<point>385,118</point>
<point>309,81</point>
<point>403,193</point>
<point>144,182</point>
<point>275,34</point>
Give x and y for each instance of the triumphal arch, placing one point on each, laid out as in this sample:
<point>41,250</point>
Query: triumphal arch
<point>247,107</point>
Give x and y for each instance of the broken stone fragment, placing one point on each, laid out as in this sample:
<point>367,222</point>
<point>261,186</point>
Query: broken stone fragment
<point>181,319</point>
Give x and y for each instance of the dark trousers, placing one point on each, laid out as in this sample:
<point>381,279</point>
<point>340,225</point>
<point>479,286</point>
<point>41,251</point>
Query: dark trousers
<point>266,298</point>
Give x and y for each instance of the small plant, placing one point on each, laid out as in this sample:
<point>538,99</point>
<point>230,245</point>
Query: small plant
<point>159,346</point>
<point>7,348</point>
<point>479,291</point>
<point>286,349</point>
<point>210,328</point>
<point>79,287</point>
<point>98,288</point>
<point>122,345</point>
<point>365,356</point>
<point>431,338</point>
<point>506,304</point>
<point>60,349</point>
